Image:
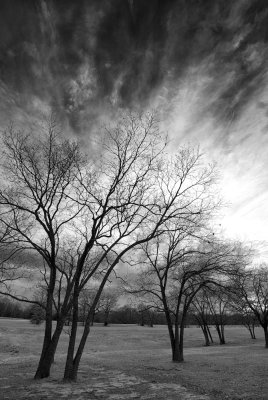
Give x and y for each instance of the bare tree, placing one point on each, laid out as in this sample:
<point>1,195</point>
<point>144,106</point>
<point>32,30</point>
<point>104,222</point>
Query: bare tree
<point>174,272</point>
<point>117,193</point>
<point>218,302</point>
<point>138,191</point>
<point>248,317</point>
<point>252,287</point>
<point>201,313</point>
<point>108,301</point>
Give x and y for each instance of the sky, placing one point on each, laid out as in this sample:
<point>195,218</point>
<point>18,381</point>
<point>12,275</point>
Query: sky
<point>202,65</point>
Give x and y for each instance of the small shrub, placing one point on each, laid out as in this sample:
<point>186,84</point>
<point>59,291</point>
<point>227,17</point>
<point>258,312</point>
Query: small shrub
<point>37,314</point>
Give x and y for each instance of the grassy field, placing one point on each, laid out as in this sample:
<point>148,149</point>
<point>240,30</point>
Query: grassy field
<point>133,362</point>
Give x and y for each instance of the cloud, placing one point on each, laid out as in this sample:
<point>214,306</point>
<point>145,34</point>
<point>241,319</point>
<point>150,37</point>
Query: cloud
<point>202,64</point>
<point>77,55</point>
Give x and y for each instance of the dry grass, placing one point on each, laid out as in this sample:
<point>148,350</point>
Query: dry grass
<point>124,362</point>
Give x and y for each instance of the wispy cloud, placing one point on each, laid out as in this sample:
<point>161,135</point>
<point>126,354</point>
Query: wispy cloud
<point>203,65</point>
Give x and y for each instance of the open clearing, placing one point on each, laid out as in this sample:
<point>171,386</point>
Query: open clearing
<point>133,362</point>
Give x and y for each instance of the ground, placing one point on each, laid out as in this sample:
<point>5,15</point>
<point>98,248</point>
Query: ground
<point>133,362</point>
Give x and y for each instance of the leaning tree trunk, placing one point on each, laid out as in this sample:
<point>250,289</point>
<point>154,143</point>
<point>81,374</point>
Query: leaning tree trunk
<point>206,336</point>
<point>220,334</point>
<point>209,334</point>
<point>72,340</point>
<point>72,363</point>
<point>48,353</point>
<point>46,358</point>
<point>205,329</point>
<point>51,341</point>
<point>73,360</point>
<point>251,331</point>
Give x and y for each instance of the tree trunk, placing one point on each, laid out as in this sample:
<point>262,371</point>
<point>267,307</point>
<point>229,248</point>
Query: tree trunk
<point>220,334</point>
<point>72,363</point>
<point>265,328</point>
<point>106,318</point>
<point>93,319</point>
<point>71,368</point>
<point>48,353</point>
<point>209,333</point>
<point>252,332</point>
<point>72,340</point>
<point>177,350</point>
<point>48,349</point>
<point>142,319</point>
<point>171,333</point>
<point>205,332</point>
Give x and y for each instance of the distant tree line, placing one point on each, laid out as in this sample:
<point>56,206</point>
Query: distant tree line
<point>10,309</point>
<point>119,315</point>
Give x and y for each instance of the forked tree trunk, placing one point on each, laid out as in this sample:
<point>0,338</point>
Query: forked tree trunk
<point>48,349</point>
<point>73,361</point>
<point>47,359</point>
<point>251,331</point>
<point>51,340</point>
<point>48,353</point>
<point>72,364</point>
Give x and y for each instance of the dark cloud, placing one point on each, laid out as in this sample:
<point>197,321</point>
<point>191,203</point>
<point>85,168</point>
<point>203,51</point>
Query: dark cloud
<point>82,55</point>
